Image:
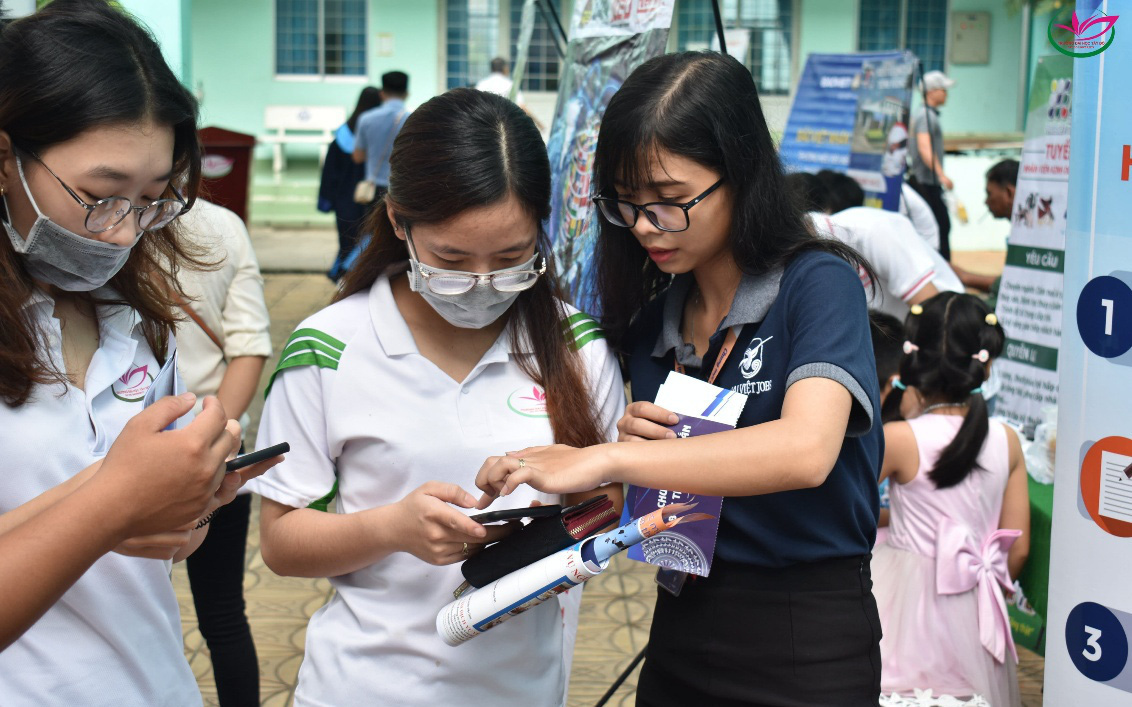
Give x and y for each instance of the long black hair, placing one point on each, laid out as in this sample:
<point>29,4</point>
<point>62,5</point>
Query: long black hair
<point>71,67</point>
<point>702,106</point>
<point>466,149</point>
<point>368,99</point>
<point>944,362</point>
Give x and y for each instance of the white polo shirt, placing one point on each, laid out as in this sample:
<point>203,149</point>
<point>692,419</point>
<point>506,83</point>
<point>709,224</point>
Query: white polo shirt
<point>903,263</point>
<point>114,638</point>
<point>369,419</point>
<point>915,209</point>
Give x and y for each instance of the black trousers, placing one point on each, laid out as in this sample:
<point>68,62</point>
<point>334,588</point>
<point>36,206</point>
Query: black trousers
<point>802,636</point>
<point>216,575</point>
<point>933,194</point>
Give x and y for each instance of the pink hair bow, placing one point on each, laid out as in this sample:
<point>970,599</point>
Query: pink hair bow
<point>962,565</point>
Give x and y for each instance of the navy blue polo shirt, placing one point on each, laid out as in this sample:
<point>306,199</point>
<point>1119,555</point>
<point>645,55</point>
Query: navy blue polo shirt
<point>808,320</point>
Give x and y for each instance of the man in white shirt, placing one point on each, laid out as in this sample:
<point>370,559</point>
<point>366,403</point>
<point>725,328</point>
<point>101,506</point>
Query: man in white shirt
<point>499,82</point>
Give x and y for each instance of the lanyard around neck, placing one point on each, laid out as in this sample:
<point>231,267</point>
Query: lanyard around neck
<point>721,358</point>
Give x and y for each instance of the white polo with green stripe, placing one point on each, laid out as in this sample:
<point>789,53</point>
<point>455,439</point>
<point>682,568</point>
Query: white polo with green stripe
<point>369,419</point>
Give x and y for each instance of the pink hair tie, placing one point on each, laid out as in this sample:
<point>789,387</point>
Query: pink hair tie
<point>982,357</point>
<point>909,347</point>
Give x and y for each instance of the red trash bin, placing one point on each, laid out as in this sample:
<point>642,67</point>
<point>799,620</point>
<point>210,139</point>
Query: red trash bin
<point>226,168</point>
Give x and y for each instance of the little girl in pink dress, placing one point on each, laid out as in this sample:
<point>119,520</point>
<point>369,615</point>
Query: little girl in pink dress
<point>959,529</point>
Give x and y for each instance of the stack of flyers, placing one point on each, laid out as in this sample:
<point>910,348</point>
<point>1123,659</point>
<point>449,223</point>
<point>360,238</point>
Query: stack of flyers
<point>703,408</point>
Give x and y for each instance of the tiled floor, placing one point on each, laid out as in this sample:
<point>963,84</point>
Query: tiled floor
<point>616,609</point>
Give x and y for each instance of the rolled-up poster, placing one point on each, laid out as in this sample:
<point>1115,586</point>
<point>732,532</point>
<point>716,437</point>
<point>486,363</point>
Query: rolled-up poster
<point>510,595</point>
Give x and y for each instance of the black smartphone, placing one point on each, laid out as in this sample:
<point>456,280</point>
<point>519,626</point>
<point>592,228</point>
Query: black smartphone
<point>257,456</point>
<point>517,514</point>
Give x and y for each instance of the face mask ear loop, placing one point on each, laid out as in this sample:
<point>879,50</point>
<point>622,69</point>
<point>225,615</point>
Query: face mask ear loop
<point>27,190</point>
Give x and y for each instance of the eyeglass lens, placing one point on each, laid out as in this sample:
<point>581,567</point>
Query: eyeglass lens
<point>663,216</point>
<point>459,284</point>
<point>110,212</point>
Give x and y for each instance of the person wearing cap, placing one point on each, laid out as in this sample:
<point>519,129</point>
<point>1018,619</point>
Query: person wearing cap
<point>927,175</point>
<point>378,128</point>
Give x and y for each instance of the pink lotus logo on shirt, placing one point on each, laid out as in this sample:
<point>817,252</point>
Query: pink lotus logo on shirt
<point>528,402</point>
<point>1083,38</point>
<point>132,386</point>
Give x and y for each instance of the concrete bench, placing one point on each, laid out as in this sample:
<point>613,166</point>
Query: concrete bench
<point>300,125</point>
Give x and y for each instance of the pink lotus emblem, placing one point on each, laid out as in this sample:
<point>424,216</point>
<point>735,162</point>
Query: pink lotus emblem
<point>128,377</point>
<point>1078,28</point>
<point>538,396</point>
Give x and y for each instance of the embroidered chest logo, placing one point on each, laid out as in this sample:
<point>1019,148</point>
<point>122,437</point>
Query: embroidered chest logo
<point>528,402</point>
<point>133,384</point>
<point>752,361</point>
<point>750,366</point>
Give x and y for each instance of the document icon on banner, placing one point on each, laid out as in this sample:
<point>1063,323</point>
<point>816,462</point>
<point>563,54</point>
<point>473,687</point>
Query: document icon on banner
<point>1116,487</point>
<point>703,409</point>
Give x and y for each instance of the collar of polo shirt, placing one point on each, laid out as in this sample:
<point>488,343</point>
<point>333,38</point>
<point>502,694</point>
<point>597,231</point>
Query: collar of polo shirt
<point>752,301</point>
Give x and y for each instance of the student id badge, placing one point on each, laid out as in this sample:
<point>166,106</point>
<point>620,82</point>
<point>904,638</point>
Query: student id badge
<point>670,580</point>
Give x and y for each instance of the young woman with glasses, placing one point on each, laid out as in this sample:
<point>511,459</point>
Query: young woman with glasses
<point>448,341</point>
<point>722,279</point>
<point>98,157</point>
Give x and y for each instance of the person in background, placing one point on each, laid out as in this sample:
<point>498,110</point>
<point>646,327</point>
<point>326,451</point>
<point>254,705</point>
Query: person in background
<point>377,128</point>
<point>960,521</point>
<point>927,176</point>
<point>224,343</point>
<point>340,176</point>
<point>888,337</point>
<point>499,82</point>
<point>1002,179</point>
<point>908,271</point>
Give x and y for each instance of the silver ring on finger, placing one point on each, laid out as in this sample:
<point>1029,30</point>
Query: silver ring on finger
<point>522,462</point>
<point>464,552</point>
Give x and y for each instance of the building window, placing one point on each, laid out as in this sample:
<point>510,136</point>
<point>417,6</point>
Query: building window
<point>320,37</point>
<point>543,61</point>
<point>477,31</point>
<point>473,40</point>
<point>919,26</point>
<point>769,25</point>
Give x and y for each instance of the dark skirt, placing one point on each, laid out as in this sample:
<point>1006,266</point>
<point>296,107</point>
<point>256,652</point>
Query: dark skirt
<point>801,636</point>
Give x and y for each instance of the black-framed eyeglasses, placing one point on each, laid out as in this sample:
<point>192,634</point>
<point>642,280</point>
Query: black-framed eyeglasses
<point>105,214</point>
<point>663,214</point>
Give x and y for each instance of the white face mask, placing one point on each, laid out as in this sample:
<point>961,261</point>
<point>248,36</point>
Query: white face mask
<point>474,309</point>
<point>60,257</point>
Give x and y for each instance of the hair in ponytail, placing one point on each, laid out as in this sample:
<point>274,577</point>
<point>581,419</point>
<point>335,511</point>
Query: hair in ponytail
<point>948,344</point>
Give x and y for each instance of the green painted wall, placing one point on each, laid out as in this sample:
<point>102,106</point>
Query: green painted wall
<point>983,101</point>
<point>233,61</point>
<point>826,27</point>
<point>985,97</point>
<point>169,21</point>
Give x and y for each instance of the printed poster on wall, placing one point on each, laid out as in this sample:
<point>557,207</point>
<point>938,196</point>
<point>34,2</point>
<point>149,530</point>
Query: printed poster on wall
<point>608,39</point>
<point>1088,656</point>
<point>1030,296</point>
<point>850,114</point>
